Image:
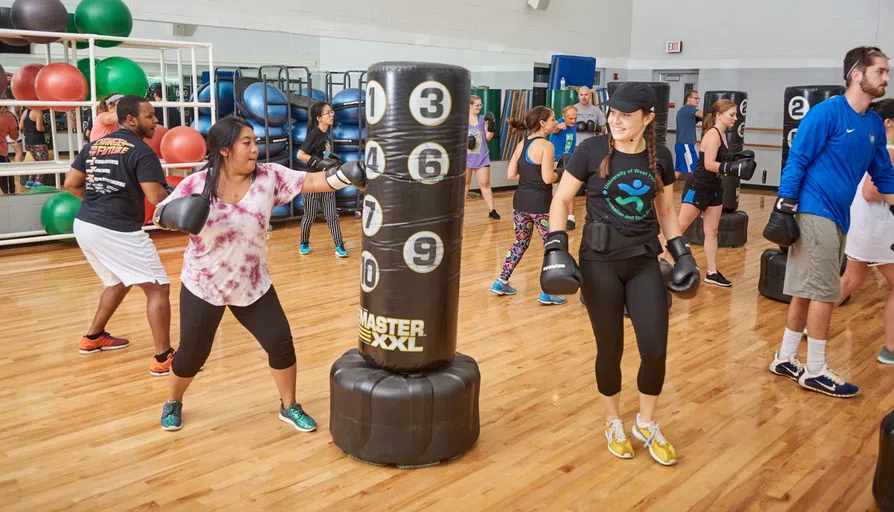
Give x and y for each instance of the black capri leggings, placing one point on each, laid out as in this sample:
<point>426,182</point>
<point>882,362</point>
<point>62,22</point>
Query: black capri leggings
<point>609,285</point>
<point>199,320</point>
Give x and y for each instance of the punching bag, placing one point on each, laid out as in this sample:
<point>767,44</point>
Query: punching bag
<point>406,397</point>
<point>883,485</point>
<point>798,101</point>
<point>735,138</point>
<point>662,93</point>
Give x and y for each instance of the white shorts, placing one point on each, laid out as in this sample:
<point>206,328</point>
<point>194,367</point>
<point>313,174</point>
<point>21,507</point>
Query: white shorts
<point>118,257</point>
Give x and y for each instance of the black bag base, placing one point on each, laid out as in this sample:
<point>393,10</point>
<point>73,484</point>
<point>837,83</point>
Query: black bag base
<point>732,232</point>
<point>408,421</point>
<point>883,484</point>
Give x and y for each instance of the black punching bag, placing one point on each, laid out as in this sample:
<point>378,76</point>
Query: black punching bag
<point>798,101</point>
<point>662,93</point>
<point>406,397</point>
<point>883,485</point>
<point>735,137</point>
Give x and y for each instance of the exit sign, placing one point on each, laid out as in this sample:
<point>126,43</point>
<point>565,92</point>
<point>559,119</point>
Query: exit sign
<point>674,46</point>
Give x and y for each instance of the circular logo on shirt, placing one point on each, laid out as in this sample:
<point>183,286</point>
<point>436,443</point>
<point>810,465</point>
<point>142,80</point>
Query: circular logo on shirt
<point>628,193</point>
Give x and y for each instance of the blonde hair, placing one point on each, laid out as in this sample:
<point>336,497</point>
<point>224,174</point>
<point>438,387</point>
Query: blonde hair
<point>473,98</point>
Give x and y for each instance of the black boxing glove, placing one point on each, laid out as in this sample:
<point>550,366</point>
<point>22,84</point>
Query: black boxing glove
<point>743,169</point>
<point>560,274</point>
<point>581,126</point>
<point>562,164</point>
<point>592,127</point>
<point>781,228</point>
<point>489,122</point>
<point>187,213</point>
<point>685,277</point>
<point>351,173</point>
<point>321,164</point>
<point>745,153</point>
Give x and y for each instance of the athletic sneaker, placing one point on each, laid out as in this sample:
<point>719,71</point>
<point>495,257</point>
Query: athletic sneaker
<point>171,415</point>
<point>501,288</point>
<point>304,249</point>
<point>718,279</point>
<point>827,382</point>
<point>791,367</point>
<point>161,369</point>
<point>886,356</point>
<point>570,225</point>
<point>340,251</point>
<point>618,442</point>
<point>296,417</point>
<point>550,300</point>
<point>494,215</point>
<point>659,448</point>
<point>104,342</point>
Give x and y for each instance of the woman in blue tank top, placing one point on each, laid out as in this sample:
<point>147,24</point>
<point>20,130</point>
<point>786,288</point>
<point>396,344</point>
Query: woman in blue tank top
<point>532,166</point>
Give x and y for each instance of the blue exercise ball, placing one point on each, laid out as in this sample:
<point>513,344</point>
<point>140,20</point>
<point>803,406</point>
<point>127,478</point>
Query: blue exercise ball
<point>349,115</point>
<point>348,156</point>
<point>348,132</point>
<point>282,210</point>
<point>346,148</point>
<point>301,114</point>
<point>275,149</point>
<point>298,202</point>
<point>224,98</point>
<point>348,192</point>
<point>283,160</point>
<point>273,131</point>
<point>253,100</point>
<point>299,132</point>
<point>202,124</point>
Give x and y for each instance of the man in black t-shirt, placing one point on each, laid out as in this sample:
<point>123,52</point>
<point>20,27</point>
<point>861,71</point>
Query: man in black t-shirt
<point>112,176</point>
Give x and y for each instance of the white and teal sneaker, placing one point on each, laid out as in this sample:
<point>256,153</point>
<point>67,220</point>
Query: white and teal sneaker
<point>340,251</point>
<point>171,415</point>
<point>296,417</point>
<point>501,288</point>
<point>886,356</point>
<point>550,300</point>
<point>304,249</point>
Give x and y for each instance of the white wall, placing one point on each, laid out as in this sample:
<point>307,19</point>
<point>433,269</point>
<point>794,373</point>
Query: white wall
<point>756,33</point>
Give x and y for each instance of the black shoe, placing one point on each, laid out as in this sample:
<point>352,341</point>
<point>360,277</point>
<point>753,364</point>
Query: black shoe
<point>494,215</point>
<point>718,279</point>
<point>570,225</point>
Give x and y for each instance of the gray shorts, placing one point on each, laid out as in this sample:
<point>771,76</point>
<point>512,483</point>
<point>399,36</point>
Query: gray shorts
<point>813,268</point>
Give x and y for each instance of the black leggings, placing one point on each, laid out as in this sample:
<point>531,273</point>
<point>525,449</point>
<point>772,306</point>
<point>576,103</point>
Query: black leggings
<point>637,283</point>
<point>199,320</point>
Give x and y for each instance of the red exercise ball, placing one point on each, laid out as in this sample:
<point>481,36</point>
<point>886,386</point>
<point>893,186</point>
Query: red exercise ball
<point>23,82</point>
<point>183,144</point>
<point>60,82</point>
<point>155,141</point>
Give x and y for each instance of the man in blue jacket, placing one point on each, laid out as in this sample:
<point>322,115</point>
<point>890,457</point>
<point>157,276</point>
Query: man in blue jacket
<point>838,141</point>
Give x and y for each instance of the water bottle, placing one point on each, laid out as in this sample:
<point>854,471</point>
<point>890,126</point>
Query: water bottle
<point>562,84</point>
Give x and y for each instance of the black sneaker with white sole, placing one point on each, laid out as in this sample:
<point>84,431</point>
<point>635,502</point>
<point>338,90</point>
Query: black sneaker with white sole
<point>570,225</point>
<point>718,279</point>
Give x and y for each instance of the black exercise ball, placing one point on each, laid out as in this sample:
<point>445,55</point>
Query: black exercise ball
<point>42,15</point>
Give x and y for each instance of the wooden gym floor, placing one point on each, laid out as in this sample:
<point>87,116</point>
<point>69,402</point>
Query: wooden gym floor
<point>82,432</point>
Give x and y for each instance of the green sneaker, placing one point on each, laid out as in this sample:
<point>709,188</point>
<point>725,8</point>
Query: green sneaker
<point>296,417</point>
<point>886,356</point>
<point>170,415</point>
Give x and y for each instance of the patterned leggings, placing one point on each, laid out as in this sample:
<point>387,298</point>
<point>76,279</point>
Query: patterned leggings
<point>40,153</point>
<point>524,229</point>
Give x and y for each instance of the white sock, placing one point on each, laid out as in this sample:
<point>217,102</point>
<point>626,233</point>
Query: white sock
<point>640,423</point>
<point>790,341</point>
<point>816,355</point>
<point>571,218</point>
<point>504,281</point>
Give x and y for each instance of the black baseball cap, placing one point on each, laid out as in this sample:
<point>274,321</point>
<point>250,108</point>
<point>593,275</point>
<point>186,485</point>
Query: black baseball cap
<point>632,96</point>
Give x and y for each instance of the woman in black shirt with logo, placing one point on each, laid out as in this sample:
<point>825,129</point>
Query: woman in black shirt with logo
<point>629,195</point>
<point>532,165</point>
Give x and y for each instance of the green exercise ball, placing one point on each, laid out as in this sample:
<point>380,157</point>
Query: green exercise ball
<point>84,67</point>
<point>58,213</point>
<point>73,29</point>
<point>104,17</point>
<point>122,76</point>
<point>43,189</point>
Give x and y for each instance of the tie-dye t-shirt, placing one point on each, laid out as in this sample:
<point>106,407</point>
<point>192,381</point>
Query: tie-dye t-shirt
<point>226,264</point>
